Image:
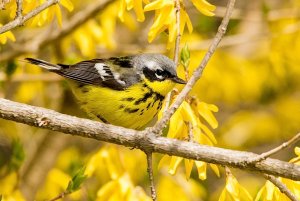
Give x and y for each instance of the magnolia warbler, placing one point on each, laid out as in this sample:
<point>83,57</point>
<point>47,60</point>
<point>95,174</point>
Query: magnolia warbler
<point>125,91</point>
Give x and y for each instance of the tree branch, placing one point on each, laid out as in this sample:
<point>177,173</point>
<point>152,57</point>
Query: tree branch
<point>50,35</point>
<point>20,20</point>
<point>151,177</point>
<point>49,119</point>
<point>60,196</point>
<point>281,186</point>
<point>178,35</point>
<point>198,72</point>
<point>19,9</point>
<point>267,154</point>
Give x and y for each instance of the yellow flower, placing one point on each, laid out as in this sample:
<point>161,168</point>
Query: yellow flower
<point>185,124</point>
<point>109,157</point>
<point>204,7</point>
<point>180,190</point>
<point>233,191</point>
<point>67,4</point>
<point>87,36</point>
<point>270,192</point>
<point>121,189</point>
<point>137,6</point>
<point>14,196</point>
<point>165,19</point>
<point>48,14</point>
<point>99,31</point>
<point>8,183</point>
<point>5,36</point>
<point>296,160</point>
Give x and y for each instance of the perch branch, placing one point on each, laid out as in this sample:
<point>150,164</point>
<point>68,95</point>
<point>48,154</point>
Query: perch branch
<point>49,119</point>
<point>281,186</point>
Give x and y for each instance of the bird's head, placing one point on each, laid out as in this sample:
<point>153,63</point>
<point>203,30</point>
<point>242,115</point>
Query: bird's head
<point>158,71</point>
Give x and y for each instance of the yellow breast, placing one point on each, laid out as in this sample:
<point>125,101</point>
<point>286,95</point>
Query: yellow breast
<point>133,108</point>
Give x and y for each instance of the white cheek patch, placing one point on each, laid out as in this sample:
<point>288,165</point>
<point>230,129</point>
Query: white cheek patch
<point>101,70</point>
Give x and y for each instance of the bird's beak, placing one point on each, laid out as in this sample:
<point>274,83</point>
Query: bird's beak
<point>178,80</point>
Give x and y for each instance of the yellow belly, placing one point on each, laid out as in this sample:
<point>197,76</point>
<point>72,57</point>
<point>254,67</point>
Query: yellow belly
<point>133,108</point>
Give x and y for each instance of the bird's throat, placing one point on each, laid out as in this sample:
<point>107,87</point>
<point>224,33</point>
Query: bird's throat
<point>160,87</point>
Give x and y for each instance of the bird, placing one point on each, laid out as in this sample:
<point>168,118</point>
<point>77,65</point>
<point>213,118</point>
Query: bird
<point>125,91</point>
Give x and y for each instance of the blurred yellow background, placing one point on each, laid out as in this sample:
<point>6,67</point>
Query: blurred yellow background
<point>253,78</point>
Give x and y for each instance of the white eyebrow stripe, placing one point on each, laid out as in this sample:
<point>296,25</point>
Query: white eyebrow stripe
<point>152,65</point>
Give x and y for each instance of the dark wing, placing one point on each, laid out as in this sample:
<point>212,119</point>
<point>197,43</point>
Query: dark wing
<point>100,73</point>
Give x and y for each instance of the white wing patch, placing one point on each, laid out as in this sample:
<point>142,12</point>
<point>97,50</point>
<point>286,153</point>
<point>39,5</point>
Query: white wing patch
<point>101,70</point>
<point>105,73</point>
<point>117,78</point>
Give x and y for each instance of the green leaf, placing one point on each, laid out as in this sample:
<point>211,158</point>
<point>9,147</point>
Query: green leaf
<point>185,56</point>
<point>265,9</point>
<point>18,155</point>
<point>76,181</point>
<point>10,68</point>
<point>0,197</point>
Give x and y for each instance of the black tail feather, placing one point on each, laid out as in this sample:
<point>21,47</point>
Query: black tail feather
<point>43,64</point>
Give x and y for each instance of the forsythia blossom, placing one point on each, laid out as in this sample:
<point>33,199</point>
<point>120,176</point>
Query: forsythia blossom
<point>137,6</point>
<point>233,191</point>
<point>120,187</point>
<point>204,7</point>
<point>165,19</point>
<point>5,36</point>
<point>165,15</point>
<point>185,124</point>
<point>46,15</point>
<point>269,192</point>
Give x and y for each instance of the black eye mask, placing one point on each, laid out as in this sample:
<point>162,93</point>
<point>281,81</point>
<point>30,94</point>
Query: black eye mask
<point>152,75</point>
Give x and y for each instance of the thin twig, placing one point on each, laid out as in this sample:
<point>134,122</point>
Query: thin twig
<point>176,52</point>
<point>19,9</point>
<point>227,171</point>
<point>198,72</point>
<point>267,154</point>
<point>178,35</point>
<point>48,36</point>
<point>186,72</point>
<point>150,172</point>
<point>191,136</point>
<point>282,187</point>
<point>60,196</point>
<point>18,21</point>
<point>167,102</point>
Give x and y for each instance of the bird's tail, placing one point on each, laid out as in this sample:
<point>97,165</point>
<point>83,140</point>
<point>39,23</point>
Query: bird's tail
<point>44,64</point>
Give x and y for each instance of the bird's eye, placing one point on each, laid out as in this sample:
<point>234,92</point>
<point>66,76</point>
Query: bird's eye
<point>159,73</point>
